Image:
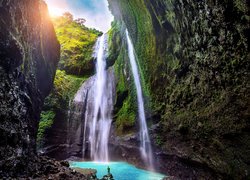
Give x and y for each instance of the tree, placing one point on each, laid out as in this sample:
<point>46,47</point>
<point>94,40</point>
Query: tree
<point>68,16</point>
<point>80,21</point>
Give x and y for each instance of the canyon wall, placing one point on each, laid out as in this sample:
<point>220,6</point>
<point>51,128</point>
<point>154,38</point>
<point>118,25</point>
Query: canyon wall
<point>193,58</point>
<point>29,53</point>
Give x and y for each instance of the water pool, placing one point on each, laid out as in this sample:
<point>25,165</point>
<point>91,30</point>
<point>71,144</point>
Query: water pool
<point>120,170</point>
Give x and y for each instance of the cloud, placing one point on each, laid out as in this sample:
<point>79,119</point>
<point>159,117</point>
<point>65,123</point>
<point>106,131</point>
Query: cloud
<point>95,12</point>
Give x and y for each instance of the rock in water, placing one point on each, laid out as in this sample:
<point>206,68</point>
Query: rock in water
<point>89,173</point>
<point>109,176</point>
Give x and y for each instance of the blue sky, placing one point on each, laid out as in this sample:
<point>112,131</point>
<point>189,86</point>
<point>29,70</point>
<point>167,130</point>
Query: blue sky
<point>95,12</point>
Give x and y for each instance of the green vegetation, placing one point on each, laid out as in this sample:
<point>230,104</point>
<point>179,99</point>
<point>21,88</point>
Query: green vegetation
<point>194,66</point>
<point>125,108</point>
<point>114,42</point>
<point>77,43</point>
<point>159,141</point>
<point>126,116</point>
<point>45,123</point>
<point>75,66</point>
<point>143,39</point>
<point>65,87</point>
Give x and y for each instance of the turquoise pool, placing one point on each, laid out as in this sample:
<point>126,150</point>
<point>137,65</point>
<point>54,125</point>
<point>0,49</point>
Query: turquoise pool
<point>120,170</point>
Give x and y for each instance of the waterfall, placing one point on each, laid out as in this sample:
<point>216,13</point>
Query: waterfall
<point>145,146</point>
<point>99,128</point>
<point>91,110</point>
<point>77,118</point>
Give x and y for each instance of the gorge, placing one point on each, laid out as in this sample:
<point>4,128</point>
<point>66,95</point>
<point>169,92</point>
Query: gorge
<point>166,88</point>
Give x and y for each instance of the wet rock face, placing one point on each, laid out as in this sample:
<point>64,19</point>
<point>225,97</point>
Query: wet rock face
<point>194,58</point>
<point>29,53</point>
<point>126,149</point>
<point>68,138</point>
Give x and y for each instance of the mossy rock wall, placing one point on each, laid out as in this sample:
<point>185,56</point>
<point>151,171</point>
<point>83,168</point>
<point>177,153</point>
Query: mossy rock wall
<point>29,53</point>
<point>125,108</point>
<point>194,64</point>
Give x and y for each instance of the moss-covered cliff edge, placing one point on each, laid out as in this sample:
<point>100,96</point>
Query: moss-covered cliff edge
<point>194,64</point>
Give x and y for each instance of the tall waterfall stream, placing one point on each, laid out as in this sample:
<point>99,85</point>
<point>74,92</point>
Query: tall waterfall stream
<point>145,148</point>
<point>99,128</point>
<point>93,105</point>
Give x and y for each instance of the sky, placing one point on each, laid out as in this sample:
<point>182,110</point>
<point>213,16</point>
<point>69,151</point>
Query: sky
<point>95,12</point>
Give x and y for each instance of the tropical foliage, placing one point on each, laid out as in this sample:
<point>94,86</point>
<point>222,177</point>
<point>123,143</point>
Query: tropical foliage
<point>77,43</point>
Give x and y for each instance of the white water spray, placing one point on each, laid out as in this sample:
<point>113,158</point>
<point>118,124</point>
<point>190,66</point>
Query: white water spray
<point>145,148</point>
<point>90,113</point>
<point>99,127</point>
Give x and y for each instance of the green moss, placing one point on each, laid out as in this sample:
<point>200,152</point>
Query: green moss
<point>145,42</point>
<point>45,123</point>
<point>114,42</point>
<point>125,109</point>
<point>159,140</point>
<point>65,87</point>
<point>120,69</point>
<point>193,60</point>
<point>241,5</point>
<point>125,120</point>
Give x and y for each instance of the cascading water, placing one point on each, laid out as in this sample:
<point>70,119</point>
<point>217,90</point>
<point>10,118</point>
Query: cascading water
<point>145,148</point>
<point>91,110</point>
<point>77,115</point>
<point>99,128</point>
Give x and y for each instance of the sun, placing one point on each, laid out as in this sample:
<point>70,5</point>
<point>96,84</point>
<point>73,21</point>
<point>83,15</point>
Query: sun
<point>55,12</point>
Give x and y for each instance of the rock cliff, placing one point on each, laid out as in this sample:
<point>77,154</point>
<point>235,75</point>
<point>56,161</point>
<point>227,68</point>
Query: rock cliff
<point>29,53</point>
<point>194,62</point>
